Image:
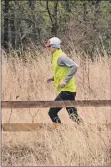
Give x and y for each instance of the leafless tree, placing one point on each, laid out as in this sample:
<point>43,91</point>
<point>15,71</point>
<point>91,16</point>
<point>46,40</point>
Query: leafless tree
<point>53,17</point>
<point>6,25</point>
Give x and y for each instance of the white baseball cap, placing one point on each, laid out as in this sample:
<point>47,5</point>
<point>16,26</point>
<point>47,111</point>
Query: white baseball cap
<point>54,42</point>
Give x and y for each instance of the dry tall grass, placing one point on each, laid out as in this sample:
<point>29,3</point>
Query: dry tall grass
<point>68,145</point>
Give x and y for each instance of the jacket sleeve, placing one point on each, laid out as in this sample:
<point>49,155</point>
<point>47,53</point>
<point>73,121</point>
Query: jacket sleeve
<point>66,61</point>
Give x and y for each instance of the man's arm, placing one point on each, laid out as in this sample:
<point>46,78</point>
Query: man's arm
<point>50,79</point>
<point>66,61</point>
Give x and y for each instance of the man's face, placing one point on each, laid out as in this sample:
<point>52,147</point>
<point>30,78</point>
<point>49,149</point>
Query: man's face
<point>51,49</point>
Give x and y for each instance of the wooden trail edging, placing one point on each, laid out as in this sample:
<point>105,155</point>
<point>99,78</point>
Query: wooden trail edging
<point>68,103</point>
<point>37,126</point>
<point>42,104</point>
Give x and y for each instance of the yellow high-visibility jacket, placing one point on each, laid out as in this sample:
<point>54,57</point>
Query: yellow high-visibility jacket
<point>60,72</point>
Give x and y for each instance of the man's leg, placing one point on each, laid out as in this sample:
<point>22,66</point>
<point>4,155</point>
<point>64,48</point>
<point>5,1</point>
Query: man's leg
<point>73,114</point>
<point>53,112</point>
<point>72,111</point>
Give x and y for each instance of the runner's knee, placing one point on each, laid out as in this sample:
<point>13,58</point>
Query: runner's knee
<point>51,113</point>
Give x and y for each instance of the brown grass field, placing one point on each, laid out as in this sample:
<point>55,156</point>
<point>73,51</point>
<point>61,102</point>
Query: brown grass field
<point>68,144</point>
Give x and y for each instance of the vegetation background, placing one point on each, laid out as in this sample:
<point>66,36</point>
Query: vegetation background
<point>85,29</point>
<point>86,24</point>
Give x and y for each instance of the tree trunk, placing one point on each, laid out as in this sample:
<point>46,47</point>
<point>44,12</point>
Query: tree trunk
<point>53,17</point>
<point>85,11</point>
<point>95,23</point>
<point>34,35</point>
<point>6,23</point>
<point>32,4</point>
<point>67,6</point>
<point>96,13</point>
<point>55,25</point>
<point>97,8</point>
<point>12,28</point>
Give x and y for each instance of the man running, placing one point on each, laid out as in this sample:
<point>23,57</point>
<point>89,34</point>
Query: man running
<point>64,70</point>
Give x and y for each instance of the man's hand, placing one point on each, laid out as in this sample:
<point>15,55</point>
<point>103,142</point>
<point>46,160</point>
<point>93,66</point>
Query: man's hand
<point>62,85</point>
<point>50,79</point>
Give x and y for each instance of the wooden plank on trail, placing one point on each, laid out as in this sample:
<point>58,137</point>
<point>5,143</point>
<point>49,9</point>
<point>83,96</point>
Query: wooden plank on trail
<point>37,126</point>
<point>67,103</point>
<point>22,126</point>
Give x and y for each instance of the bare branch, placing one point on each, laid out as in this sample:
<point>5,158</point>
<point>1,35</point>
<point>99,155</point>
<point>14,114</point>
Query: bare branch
<point>49,13</point>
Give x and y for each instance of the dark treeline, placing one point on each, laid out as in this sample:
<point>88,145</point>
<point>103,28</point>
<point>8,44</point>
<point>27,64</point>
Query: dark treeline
<point>85,24</point>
